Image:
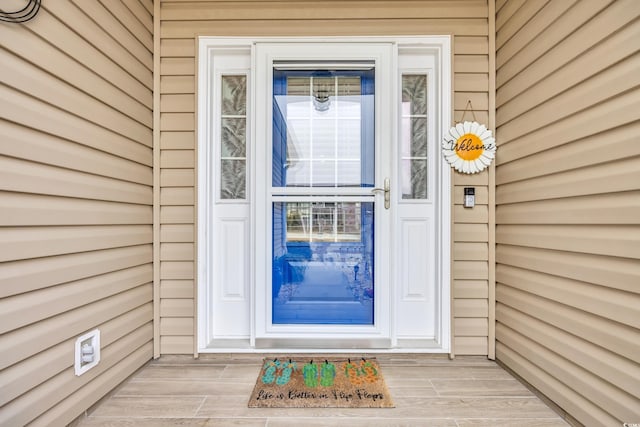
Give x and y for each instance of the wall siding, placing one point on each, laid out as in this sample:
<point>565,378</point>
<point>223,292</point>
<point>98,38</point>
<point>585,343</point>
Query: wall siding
<point>568,203</point>
<point>181,22</point>
<point>75,203</point>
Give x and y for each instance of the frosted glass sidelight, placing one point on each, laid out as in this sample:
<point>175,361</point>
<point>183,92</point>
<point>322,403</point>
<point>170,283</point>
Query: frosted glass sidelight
<point>233,137</point>
<point>234,95</point>
<point>233,179</point>
<point>414,147</point>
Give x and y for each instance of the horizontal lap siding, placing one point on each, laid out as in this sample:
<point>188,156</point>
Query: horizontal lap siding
<point>181,22</point>
<point>76,204</point>
<point>568,203</point>
<point>177,197</point>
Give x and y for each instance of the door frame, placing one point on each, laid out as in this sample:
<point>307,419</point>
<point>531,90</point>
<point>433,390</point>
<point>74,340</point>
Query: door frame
<point>206,200</point>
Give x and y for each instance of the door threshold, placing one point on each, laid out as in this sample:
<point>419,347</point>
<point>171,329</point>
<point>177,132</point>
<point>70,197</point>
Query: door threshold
<point>342,346</point>
<point>315,343</point>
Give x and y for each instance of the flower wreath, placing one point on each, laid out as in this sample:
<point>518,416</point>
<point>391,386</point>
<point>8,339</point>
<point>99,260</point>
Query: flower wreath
<point>469,147</point>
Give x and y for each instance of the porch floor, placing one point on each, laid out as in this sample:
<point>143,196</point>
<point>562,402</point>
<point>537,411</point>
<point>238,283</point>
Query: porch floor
<point>427,391</point>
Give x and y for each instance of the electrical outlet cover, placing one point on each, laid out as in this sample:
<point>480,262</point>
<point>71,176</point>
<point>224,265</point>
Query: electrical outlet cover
<point>93,339</point>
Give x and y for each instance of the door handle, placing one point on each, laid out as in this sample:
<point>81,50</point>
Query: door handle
<point>387,192</point>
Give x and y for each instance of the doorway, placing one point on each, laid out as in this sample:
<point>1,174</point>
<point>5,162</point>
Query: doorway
<point>341,231</point>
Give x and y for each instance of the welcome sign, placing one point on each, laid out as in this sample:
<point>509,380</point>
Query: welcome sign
<point>469,147</point>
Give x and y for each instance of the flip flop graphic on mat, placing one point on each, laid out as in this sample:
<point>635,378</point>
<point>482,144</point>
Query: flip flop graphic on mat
<point>270,369</point>
<point>285,374</point>
<point>310,374</point>
<point>327,374</point>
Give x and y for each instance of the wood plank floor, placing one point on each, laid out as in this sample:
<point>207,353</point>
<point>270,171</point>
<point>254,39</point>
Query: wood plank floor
<point>427,391</point>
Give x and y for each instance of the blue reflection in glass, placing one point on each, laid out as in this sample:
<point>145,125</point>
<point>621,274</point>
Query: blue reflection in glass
<point>323,263</point>
<point>323,128</point>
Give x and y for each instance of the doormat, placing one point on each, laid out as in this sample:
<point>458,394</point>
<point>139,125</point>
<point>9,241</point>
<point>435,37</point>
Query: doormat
<point>326,383</point>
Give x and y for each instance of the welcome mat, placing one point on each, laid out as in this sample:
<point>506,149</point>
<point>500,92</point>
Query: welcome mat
<point>326,383</point>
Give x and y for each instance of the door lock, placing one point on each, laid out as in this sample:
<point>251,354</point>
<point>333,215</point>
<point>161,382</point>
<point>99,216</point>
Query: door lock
<point>387,192</point>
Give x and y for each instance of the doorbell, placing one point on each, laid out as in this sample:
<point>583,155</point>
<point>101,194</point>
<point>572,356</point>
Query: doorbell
<point>469,197</point>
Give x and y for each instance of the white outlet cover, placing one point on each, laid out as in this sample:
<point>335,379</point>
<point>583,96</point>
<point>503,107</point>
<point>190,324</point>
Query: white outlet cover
<point>92,338</point>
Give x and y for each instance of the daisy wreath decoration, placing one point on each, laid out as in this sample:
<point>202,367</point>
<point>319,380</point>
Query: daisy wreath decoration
<point>469,147</point>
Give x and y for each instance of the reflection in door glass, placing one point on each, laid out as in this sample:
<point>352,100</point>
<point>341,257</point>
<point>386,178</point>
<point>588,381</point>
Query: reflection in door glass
<point>323,128</point>
<point>323,222</point>
<point>323,263</point>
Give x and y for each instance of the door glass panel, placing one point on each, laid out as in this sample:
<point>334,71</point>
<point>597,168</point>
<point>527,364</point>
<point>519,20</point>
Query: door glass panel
<point>414,136</point>
<point>323,128</point>
<point>322,266</point>
<point>323,263</point>
<point>233,147</point>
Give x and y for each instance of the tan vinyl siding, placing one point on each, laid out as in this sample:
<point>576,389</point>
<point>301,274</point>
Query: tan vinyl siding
<point>568,203</point>
<point>181,22</point>
<point>75,204</point>
<point>177,197</point>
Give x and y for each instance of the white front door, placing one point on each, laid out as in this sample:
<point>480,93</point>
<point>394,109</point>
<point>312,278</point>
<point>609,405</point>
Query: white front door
<point>338,237</point>
<point>321,220</point>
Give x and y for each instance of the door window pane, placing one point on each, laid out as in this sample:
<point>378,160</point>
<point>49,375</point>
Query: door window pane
<point>233,179</point>
<point>414,147</point>
<point>322,120</point>
<point>233,135</point>
<point>234,95</point>
<point>323,263</point>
